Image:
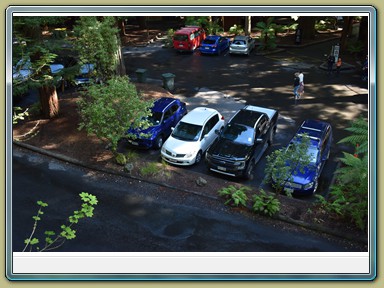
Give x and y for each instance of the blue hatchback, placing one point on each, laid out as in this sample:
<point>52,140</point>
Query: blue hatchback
<point>306,182</point>
<point>214,45</point>
<point>166,113</point>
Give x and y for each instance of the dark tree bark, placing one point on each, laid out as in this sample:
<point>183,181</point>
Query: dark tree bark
<point>347,28</point>
<point>364,33</point>
<point>49,101</point>
<point>307,26</point>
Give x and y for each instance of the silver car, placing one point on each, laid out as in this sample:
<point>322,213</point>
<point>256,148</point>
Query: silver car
<point>242,45</point>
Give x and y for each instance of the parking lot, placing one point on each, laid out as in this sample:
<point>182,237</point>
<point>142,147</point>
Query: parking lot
<point>228,82</point>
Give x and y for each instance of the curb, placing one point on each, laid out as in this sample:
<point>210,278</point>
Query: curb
<point>286,219</point>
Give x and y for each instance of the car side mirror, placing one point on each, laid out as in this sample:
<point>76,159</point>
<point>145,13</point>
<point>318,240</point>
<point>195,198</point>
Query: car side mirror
<point>172,128</point>
<point>217,131</point>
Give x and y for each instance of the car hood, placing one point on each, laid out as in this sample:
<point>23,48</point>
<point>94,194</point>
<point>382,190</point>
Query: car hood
<point>229,149</point>
<point>304,177</point>
<point>151,130</point>
<point>181,147</point>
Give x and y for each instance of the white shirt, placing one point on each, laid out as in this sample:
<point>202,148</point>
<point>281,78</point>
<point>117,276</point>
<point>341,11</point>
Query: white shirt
<point>301,78</point>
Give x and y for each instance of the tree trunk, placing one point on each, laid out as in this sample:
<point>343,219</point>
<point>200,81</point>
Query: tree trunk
<point>363,33</point>
<point>49,101</point>
<point>347,28</point>
<point>307,26</point>
<point>248,25</point>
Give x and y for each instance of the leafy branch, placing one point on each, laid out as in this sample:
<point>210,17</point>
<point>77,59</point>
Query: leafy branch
<point>53,240</point>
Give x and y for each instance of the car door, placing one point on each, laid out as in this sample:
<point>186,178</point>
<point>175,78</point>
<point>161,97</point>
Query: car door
<point>209,135</point>
<point>261,137</point>
<point>168,121</point>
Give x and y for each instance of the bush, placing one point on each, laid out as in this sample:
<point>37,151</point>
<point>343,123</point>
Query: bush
<point>121,159</point>
<point>265,204</point>
<point>234,195</point>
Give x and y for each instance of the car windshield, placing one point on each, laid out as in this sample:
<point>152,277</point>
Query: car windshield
<point>239,133</point>
<point>209,41</point>
<point>313,152</point>
<point>180,37</point>
<point>239,42</point>
<point>155,118</point>
<point>187,132</point>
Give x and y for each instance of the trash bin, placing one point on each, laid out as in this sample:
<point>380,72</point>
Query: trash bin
<point>168,81</point>
<point>141,75</point>
<point>298,36</point>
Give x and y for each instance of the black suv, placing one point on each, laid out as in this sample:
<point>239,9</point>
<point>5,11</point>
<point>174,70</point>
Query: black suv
<point>242,142</point>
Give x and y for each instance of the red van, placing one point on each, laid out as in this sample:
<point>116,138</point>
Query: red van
<point>188,38</point>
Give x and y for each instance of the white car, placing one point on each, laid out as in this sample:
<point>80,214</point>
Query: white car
<point>192,136</point>
<point>242,45</point>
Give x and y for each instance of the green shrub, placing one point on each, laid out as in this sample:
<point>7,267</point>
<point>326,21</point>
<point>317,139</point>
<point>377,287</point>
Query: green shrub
<point>121,159</point>
<point>149,169</point>
<point>235,195</point>
<point>265,204</point>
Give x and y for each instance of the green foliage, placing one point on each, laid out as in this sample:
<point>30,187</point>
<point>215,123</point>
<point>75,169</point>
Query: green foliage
<point>52,240</point>
<point>108,110</point>
<point>196,20</point>
<point>121,159</point>
<point>19,114</point>
<point>277,172</point>
<point>265,204</point>
<point>268,31</point>
<point>213,27</point>
<point>236,29</point>
<point>359,137</point>
<point>355,47</point>
<point>149,169</point>
<point>169,38</point>
<point>348,197</point>
<point>235,195</point>
<point>97,43</point>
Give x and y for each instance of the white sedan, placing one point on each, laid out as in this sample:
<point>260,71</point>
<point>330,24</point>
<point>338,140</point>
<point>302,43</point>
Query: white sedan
<point>192,136</point>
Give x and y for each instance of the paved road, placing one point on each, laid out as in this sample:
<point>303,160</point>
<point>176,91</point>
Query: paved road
<point>141,217</point>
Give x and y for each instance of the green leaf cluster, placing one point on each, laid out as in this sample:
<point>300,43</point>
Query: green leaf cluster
<point>108,110</point>
<point>265,204</point>
<point>52,240</point>
<point>278,172</point>
<point>235,195</point>
<point>268,31</point>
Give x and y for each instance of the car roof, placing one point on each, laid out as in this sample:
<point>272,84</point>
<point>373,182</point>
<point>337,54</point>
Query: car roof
<point>162,103</point>
<point>315,129</point>
<point>246,117</point>
<point>199,115</point>
<point>187,29</point>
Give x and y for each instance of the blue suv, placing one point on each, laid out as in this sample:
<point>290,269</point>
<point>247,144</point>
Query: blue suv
<point>166,113</point>
<point>306,182</point>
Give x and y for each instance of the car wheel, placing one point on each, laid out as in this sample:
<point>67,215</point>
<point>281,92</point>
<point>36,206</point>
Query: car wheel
<point>271,136</point>
<point>249,171</point>
<point>158,142</point>
<point>198,157</point>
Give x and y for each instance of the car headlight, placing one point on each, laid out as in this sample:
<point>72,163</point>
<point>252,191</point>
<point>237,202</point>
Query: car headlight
<point>190,154</point>
<point>308,186</point>
<point>240,164</point>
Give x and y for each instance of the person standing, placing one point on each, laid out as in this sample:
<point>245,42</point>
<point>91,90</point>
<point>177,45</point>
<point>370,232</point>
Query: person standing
<point>338,66</point>
<point>301,84</point>
<point>296,85</point>
<point>330,62</point>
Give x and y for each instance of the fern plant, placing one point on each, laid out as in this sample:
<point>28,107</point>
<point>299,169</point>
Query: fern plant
<point>265,204</point>
<point>359,137</point>
<point>235,195</point>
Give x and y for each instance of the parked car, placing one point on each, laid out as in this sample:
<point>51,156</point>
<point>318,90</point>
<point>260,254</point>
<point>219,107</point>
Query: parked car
<point>85,74</point>
<point>192,136</point>
<point>166,113</point>
<point>242,142</point>
<point>214,45</point>
<point>23,69</point>
<point>305,182</point>
<point>188,38</point>
<point>242,45</point>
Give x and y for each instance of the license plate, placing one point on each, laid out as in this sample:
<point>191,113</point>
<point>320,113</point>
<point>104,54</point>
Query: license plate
<point>206,48</point>
<point>181,45</point>
<point>134,143</point>
<point>221,168</point>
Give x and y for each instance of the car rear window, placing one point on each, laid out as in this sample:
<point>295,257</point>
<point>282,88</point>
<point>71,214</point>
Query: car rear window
<point>180,37</point>
<point>209,41</point>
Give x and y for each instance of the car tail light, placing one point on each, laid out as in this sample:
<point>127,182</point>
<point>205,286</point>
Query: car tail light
<point>222,117</point>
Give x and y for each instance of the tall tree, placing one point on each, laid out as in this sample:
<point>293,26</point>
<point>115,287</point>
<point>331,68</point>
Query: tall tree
<point>38,54</point>
<point>307,26</point>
